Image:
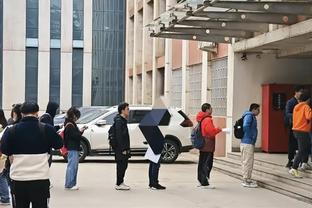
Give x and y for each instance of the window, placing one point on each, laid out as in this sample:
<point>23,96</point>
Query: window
<point>31,82</point>
<point>55,65</point>
<point>137,115</point>
<point>108,51</point>
<point>32,13</point>
<point>77,77</point>
<point>55,19</point>
<point>110,118</point>
<point>78,20</point>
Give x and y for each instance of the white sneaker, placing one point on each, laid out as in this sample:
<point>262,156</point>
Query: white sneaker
<point>208,187</point>
<point>295,173</point>
<point>305,167</point>
<point>123,187</point>
<point>247,184</point>
<point>74,188</point>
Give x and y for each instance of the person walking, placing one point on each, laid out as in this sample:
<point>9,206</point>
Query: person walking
<point>302,117</point>
<point>72,139</point>
<point>292,142</point>
<point>209,132</point>
<point>4,186</point>
<point>247,145</point>
<point>29,157</point>
<point>122,149</point>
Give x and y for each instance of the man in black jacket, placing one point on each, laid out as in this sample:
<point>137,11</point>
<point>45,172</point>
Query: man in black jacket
<point>292,142</point>
<point>28,144</point>
<point>122,149</point>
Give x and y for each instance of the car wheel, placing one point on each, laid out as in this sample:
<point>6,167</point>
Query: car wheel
<point>170,152</point>
<point>82,154</point>
<point>84,151</point>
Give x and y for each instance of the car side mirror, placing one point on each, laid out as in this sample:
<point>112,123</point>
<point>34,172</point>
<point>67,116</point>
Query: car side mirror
<point>101,123</point>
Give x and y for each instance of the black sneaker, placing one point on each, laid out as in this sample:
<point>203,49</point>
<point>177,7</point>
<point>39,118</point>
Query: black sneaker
<point>157,187</point>
<point>289,164</point>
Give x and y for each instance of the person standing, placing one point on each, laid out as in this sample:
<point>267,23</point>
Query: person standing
<point>48,118</point>
<point>72,139</point>
<point>302,117</point>
<point>292,142</point>
<point>16,117</point>
<point>4,186</point>
<point>248,142</point>
<point>122,149</point>
<point>29,157</point>
<point>209,132</point>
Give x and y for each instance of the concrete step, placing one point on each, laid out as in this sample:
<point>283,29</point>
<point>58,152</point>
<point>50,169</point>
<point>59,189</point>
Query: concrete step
<point>275,174</point>
<point>268,183</point>
<point>268,164</point>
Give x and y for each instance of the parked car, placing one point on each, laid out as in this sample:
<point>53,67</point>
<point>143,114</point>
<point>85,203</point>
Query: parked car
<point>95,138</point>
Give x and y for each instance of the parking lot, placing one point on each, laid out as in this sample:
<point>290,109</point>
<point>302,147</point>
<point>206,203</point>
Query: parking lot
<point>96,179</point>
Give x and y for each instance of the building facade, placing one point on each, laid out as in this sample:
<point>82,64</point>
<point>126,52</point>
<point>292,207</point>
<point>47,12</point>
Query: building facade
<point>67,51</point>
<point>171,72</point>
<point>245,46</point>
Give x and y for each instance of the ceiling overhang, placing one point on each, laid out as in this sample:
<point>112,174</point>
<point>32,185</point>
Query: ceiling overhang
<point>236,21</point>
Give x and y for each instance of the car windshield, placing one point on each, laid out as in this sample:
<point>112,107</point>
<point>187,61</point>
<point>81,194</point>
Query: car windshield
<point>91,115</point>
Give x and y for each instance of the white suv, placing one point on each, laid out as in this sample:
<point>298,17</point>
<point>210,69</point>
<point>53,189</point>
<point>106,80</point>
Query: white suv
<point>99,120</point>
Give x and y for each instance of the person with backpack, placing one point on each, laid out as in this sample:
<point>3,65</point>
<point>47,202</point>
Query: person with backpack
<point>302,118</point>
<point>292,142</point>
<point>27,144</point>
<point>209,132</point>
<point>72,139</point>
<point>122,145</point>
<point>247,146</point>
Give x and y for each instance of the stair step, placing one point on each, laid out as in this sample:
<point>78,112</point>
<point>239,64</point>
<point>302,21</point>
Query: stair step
<point>277,174</point>
<point>279,187</point>
<point>261,162</point>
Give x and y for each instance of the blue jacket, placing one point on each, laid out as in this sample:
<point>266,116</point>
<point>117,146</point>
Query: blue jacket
<point>250,128</point>
<point>290,105</point>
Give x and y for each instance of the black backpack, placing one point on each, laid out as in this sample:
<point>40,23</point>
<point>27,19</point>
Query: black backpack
<point>239,129</point>
<point>112,137</point>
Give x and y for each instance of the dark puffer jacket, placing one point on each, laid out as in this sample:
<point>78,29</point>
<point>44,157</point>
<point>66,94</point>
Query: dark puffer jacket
<point>72,136</point>
<point>122,137</point>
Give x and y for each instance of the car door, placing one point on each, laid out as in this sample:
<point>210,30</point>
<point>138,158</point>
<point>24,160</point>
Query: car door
<point>137,139</point>
<point>99,134</point>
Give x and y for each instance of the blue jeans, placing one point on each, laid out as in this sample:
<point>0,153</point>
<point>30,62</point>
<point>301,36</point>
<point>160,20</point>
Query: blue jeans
<point>72,168</point>
<point>4,188</point>
<point>153,173</point>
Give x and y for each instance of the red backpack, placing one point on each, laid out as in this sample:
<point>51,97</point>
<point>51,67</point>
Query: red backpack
<point>64,150</point>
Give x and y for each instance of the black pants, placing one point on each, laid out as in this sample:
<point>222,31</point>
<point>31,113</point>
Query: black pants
<point>205,164</point>
<point>153,173</point>
<point>292,145</point>
<point>122,166</point>
<point>34,192</point>
<point>304,147</point>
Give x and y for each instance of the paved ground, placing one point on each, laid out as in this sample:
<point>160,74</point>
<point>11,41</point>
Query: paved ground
<point>97,176</point>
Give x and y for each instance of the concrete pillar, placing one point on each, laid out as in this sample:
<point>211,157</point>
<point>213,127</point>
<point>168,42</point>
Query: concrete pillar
<point>204,87</point>
<point>14,36</point>
<point>168,61</point>
<point>185,55</point>
<point>147,53</point>
<point>230,97</point>
<point>44,54</point>
<point>66,54</point>
<point>87,54</point>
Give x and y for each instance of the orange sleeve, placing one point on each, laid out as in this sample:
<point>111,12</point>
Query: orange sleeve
<point>210,129</point>
<point>308,113</point>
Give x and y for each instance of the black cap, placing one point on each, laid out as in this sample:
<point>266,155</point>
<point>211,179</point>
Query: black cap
<point>29,107</point>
